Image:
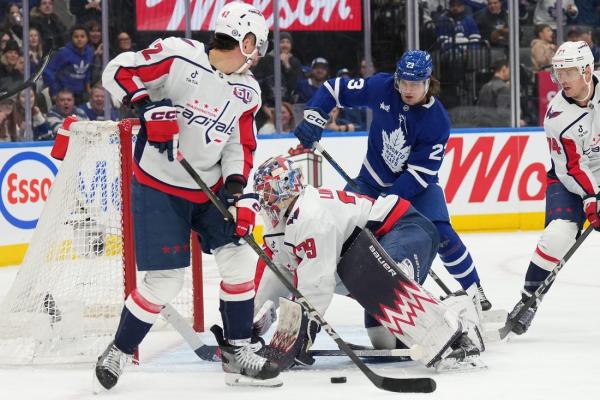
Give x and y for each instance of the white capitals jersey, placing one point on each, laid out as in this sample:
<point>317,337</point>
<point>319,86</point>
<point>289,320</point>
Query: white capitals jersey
<point>308,244</point>
<point>573,134</point>
<point>215,114</point>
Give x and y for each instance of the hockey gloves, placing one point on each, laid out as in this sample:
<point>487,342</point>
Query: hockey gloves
<point>159,120</point>
<point>246,208</point>
<point>591,207</point>
<point>61,143</point>
<point>311,127</point>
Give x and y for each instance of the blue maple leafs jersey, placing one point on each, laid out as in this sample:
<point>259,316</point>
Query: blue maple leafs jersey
<point>406,143</point>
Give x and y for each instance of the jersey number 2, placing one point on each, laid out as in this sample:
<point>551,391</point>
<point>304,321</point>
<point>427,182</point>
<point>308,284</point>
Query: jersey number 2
<point>157,48</point>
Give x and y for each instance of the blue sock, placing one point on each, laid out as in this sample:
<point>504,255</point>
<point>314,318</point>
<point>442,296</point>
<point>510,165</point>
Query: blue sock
<point>131,332</point>
<point>237,318</point>
<point>455,256</point>
<point>534,278</point>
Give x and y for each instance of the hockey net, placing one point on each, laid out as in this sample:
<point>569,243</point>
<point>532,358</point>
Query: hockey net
<point>65,303</point>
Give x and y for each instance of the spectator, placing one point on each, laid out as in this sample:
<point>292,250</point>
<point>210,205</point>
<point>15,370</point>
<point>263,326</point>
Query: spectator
<point>589,12</point>
<point>4,38</point>
<point>36,51</point>
<point>64,106</point>
<point>493,24</point>
<point>8,126</point>
<point>319,72</point>
<point>456,27</point>
<point>287,119</point>
<point>86,10</point>
<point>542,47</point>
<point>94,109</point>
<point>124,43</point>
<point>45,19</point>
<point>335,124</point>
<point>9,75</point>
<point>545,12</point>
<point>290,71</point>
<point>13,23</point>
<point>585,33</point>
<point>70,68</point>
<point>494,97</point>
<point>41,129</point>
<point>95,32</point>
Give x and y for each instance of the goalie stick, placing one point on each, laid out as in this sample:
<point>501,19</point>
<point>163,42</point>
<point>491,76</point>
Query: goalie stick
<point>536,296</point>
<point>209,352</point>
<point>408,385</point>
<point>354,186</point>
<point>5,94</point>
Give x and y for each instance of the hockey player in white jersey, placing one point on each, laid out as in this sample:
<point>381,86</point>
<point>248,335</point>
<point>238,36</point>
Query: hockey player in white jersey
<point>315,236</point>
<point>203,100</point>
<point>572,126</point>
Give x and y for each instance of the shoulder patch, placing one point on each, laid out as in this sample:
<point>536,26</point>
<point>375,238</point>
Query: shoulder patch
<point>552,114</point>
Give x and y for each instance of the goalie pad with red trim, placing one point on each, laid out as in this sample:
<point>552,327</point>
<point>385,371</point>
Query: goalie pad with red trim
<point>396,301</point>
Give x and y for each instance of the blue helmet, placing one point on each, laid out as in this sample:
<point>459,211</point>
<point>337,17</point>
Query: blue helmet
<point>415,65</point>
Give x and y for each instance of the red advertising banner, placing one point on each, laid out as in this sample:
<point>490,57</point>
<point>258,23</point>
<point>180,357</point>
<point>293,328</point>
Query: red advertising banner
<point>295,15</point>
<point>546,91</point>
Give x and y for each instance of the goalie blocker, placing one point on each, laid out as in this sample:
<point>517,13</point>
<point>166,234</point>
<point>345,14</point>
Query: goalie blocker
<point>404,308</point>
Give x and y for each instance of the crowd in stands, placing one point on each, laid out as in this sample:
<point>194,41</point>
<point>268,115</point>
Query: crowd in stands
<point>468,39</point>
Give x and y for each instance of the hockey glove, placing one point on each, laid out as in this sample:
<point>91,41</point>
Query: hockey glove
<point>591,207</point>
<point>246,208</point>
<point>61,143</point>
<point>311,127</point>
<point>159,121</point>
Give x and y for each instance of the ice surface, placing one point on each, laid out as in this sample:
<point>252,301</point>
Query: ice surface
<point>556,359</point>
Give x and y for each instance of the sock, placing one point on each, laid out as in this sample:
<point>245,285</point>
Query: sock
<point>534,278</point>
<point>456,257</point>
<point>137,318</point>
<point>237,319</point>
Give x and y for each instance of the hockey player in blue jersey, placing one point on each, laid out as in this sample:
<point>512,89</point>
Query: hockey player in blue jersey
<point>405,150</point>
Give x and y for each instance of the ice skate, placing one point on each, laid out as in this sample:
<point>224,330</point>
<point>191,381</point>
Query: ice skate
<point>243,366</point>
<point>462,355</point>
<point>483,300</point>
<point>522,325</point>
<point>109,368</point>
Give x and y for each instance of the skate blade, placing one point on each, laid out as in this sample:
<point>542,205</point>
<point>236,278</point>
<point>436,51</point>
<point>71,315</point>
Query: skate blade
<point>495,316</point>
<point>97,387</point>
<point>243,380</point>
<point>469,364</point>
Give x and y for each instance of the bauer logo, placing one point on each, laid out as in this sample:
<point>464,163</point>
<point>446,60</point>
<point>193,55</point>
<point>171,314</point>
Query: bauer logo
<point>25,181</point>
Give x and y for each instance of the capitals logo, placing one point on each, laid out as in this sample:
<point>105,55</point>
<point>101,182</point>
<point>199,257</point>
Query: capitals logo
<point>243,94</point>
<point>552,114</point>
<point>409,302</point>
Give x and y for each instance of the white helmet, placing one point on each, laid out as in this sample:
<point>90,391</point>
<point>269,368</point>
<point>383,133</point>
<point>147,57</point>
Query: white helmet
<point>573,54</point>
<point>238,19</point>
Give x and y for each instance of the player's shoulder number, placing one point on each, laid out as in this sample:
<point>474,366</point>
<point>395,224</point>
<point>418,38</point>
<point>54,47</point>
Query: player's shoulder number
<point>356,84</point>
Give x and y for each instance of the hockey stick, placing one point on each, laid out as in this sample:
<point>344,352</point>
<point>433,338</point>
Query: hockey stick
<point>536,296</point>
<point>409,385</point>
<point>355,187</point>
<point>32,79</point>
<point>208,352</point>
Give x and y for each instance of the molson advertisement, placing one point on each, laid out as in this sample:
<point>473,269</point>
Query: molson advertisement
<point>493,179</point>
<point>295,15</point>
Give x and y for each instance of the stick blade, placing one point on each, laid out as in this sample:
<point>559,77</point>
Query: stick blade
<point>407,385</point>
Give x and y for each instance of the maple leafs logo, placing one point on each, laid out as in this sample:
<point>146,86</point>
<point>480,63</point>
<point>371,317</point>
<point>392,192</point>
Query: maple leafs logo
<point>394,151</point>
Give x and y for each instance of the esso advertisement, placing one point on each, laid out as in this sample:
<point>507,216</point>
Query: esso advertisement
<point>26,176</point>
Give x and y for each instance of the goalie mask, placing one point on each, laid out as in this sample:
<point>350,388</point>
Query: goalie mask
<point>277,181</point>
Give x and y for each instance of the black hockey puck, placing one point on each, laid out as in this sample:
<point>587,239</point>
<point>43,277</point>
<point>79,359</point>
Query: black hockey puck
<point>338,379</point>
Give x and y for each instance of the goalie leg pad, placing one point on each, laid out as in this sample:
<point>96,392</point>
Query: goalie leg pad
<point>396,301</point>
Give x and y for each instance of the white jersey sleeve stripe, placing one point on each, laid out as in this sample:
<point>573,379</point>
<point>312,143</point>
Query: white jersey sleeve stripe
<point>334,92</point>
<point>374,174</point>
<point>418,178</point>
<point>424,170</point>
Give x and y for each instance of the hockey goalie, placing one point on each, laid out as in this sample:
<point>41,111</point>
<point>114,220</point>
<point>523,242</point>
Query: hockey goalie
<point>376,251</point>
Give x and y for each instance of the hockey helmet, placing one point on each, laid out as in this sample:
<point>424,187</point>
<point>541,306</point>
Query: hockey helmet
<point>415,65</point>
<point>573,54</point>
<point>237,19</point>
<point>277,181</point>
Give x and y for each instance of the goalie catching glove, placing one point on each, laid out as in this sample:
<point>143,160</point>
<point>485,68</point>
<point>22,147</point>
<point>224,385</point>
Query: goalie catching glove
<point>159,121</point>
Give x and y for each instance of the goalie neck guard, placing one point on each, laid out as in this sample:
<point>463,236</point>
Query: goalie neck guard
<point>277,181</point>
